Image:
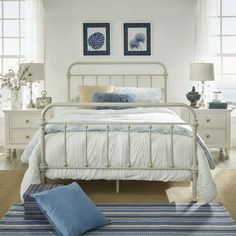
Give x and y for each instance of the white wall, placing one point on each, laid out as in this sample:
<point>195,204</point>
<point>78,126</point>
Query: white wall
<point>2,130</point>
<point>173,36</point>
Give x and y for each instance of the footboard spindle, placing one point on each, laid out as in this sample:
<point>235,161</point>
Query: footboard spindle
<point>65,149</point>
<point>86,146</point>
<point>194,168</point>
<point>129,151</point>
<point>43,165</point>
<point>107,164</point>
<point>171,147</point>
<point>150,146</point>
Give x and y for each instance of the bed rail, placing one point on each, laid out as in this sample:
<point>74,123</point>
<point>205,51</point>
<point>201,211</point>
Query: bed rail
<point>171,166</point>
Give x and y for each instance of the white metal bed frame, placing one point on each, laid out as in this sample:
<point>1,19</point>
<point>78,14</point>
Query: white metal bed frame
<point>43,167</point>
<point>162,75</point>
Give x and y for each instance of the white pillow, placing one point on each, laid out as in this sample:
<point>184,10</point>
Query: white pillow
<point>75,99</point>
<point>146,95</point>
<point>59,110</point>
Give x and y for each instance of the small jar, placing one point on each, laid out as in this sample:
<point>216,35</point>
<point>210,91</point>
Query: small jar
<point>217,96</point>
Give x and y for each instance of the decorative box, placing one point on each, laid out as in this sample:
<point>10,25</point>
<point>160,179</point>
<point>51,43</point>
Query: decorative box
<point>32,211</point>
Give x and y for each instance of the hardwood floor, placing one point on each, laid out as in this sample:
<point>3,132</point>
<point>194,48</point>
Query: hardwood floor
<point>13,162</point>
<point>221,161</point>
<point>12,171</point>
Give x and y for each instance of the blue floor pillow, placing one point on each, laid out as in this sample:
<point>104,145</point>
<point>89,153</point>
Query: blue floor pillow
<point>69,210</point>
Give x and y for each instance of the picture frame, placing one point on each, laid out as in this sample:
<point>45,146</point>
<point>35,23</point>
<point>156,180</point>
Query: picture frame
<point>96,39</point>
<point>137,39</point>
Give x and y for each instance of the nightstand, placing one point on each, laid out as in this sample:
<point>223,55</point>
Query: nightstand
<point>20,126</point>
<point>214,127</point>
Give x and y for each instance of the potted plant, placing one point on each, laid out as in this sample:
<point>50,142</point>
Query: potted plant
<point>14,81</point>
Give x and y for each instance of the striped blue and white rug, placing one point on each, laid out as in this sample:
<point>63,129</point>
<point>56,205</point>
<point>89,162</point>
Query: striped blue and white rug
<point>137,219</point>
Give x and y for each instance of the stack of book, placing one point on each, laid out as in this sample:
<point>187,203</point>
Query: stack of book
<point>218,105</point>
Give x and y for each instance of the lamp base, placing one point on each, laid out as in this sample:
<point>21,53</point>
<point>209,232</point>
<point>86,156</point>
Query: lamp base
<point>31,104</point>
<point>201,103</point>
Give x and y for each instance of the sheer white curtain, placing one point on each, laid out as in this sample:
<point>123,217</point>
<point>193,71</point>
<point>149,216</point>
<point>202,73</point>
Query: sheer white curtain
<point>34,12</point>
<point>34,45</point>
<point>206,30</point>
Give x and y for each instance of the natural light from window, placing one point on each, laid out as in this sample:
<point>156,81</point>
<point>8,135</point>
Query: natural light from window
<point>227,48</point>
<point>12,33</point>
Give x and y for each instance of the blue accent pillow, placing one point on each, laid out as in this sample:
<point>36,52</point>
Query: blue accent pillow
<point>69,210</point>
<point>113,97</point>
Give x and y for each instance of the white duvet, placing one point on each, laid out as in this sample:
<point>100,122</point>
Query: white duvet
<point>118,150</point>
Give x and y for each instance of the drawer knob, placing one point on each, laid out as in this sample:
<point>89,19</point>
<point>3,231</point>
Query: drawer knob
<point>208,135</point>
<point>208,120</point>
<point>27,136</point>
<point>27,121</point>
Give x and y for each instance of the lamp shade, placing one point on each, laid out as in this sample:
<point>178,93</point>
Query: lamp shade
<point>201,71</point>
<point>35,71</point>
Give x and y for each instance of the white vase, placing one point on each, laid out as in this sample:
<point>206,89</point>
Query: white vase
<point>16,99</point>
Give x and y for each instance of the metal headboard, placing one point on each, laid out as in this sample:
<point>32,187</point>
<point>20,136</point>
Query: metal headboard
<point>77,65</point>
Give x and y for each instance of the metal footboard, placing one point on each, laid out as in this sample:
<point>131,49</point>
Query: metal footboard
<point>128,166</point>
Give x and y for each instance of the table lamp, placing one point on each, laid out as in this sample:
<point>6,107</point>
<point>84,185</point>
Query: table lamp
<point>34,73</point>
<point>202,72</point>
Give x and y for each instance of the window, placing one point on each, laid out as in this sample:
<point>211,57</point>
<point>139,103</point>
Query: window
<point>12,32</point>
<point>227,48</point>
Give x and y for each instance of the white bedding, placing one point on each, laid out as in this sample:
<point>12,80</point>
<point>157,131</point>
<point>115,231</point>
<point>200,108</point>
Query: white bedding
<point>118,150</point>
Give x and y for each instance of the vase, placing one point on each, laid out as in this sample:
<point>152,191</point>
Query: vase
<point>16,99</point>
<point>193,97</point>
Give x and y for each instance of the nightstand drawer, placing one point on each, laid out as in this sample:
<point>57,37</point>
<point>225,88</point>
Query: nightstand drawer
<point>18,121</point>
<point>211,120</point>
<point>22,136</point>
<point>216,137</point>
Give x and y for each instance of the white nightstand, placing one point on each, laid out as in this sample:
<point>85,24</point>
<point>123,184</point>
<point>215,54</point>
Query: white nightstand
<point>214,127</point>
<point>20,126</point>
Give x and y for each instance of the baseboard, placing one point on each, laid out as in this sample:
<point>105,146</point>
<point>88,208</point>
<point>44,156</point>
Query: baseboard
<point>233,141</point>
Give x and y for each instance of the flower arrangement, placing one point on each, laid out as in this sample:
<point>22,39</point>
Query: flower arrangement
<point>14,80</point>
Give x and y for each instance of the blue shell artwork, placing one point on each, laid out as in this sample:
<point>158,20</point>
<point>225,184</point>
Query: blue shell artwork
<point>137,41</point>
<point>96,40</point>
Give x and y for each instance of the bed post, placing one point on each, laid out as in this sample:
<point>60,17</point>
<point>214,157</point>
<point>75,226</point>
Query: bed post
<point>165,83</point>
<point>43,165</point>
<point>117,186</point>
<point>194,168</point>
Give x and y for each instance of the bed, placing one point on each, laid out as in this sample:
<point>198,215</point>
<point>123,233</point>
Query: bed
<point>145,141</point>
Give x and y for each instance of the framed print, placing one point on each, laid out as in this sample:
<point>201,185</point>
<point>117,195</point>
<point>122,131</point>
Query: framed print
<point>96,39</point>
<point>137,39</point>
